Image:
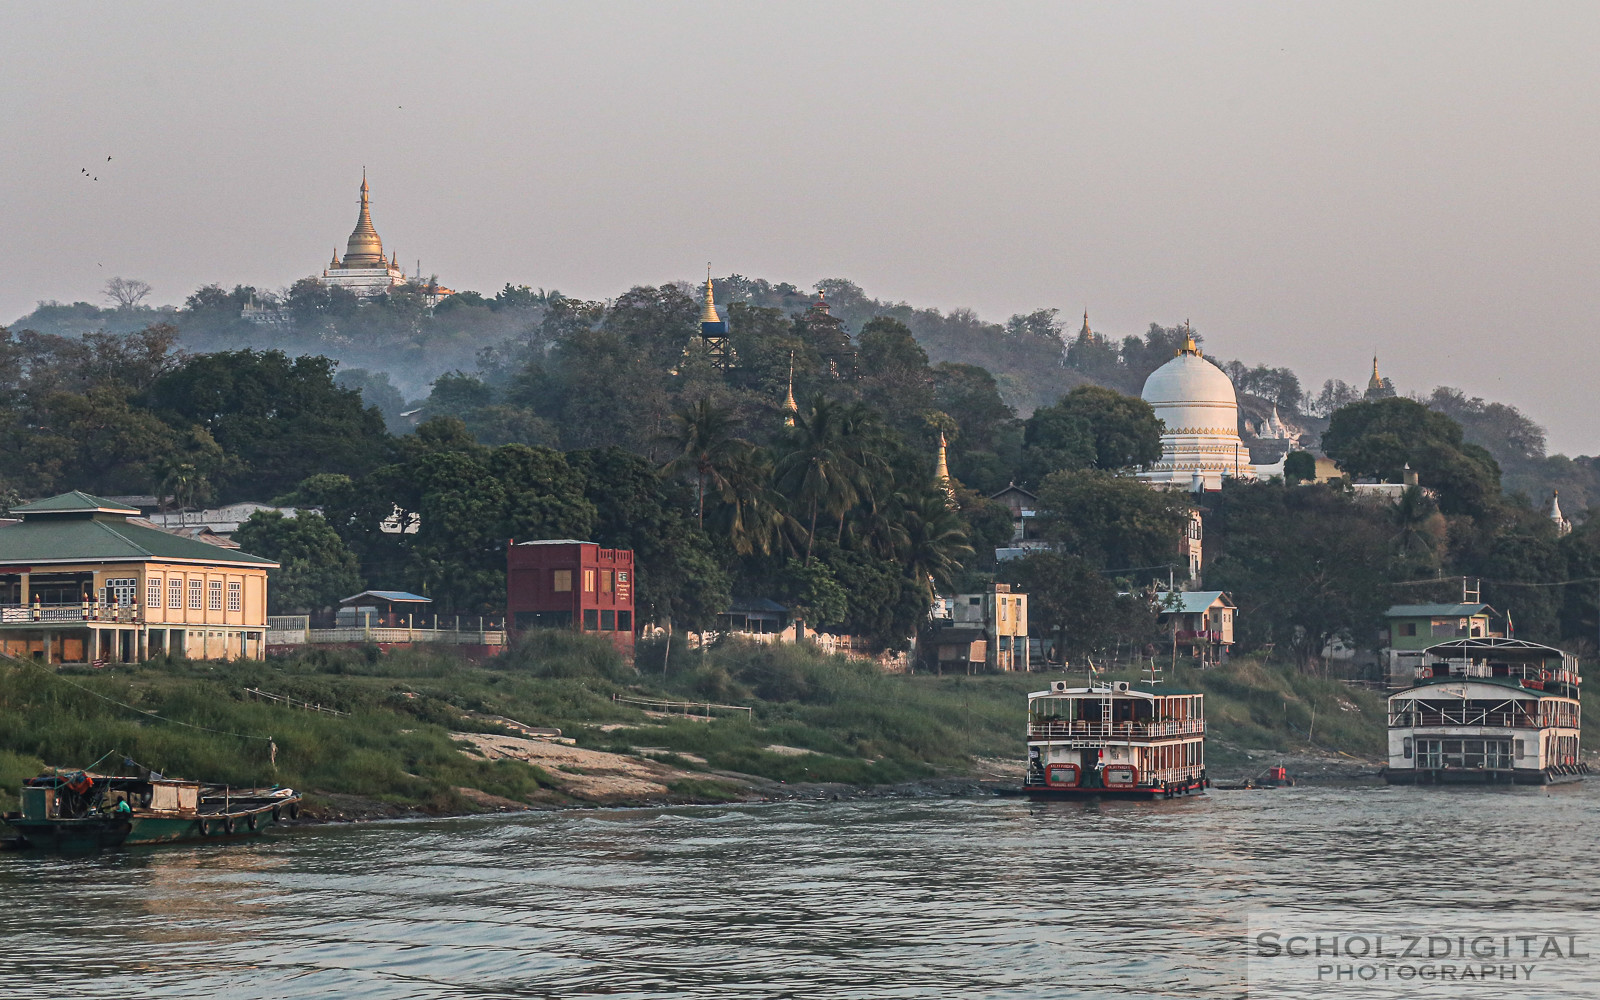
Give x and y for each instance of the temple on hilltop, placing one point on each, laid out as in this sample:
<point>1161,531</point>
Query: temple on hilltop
<point>366,270</point>
<point>1200,446</point>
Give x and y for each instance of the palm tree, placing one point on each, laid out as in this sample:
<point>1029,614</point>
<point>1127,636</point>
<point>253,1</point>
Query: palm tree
<point>756,518</point>
<point>707,448</point>
<point>935,543</point>
<point>828,461</point>
<point>1413,518</point>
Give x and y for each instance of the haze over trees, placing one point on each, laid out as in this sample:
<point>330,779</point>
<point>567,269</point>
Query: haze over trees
<point>528,414</point>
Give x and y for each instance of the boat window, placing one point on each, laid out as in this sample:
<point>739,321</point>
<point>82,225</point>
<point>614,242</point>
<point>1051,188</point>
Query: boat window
<point>1406,747</point>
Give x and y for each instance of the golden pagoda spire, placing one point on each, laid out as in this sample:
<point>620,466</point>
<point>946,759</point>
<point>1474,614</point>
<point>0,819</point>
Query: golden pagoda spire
<point>1086,332</point>
<point>708,313</point>
<point>790,409</point>
<point>365,249</point>
<point>1189,346</point>
<point>941,473</point>
<point>1375,383</point>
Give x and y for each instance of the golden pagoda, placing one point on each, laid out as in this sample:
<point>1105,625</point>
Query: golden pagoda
<point>366,270</point>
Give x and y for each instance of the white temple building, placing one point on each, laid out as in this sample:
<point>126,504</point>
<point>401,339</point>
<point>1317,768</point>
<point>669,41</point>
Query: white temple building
<point>1201,445</point>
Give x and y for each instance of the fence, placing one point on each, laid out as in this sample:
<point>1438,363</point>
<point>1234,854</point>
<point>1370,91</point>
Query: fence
<point>285,700</point>
<point>297,630</point>
<point>684,708</point>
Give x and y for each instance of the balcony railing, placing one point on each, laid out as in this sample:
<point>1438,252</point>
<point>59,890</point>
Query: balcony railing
<point>89,611</point>
<point>1101,730</point>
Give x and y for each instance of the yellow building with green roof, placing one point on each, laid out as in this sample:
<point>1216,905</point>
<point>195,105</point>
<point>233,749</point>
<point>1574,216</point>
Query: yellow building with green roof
<point>81,581</point>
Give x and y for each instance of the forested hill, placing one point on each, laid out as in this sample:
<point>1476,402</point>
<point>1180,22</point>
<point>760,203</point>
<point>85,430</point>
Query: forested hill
<point>395,350</point>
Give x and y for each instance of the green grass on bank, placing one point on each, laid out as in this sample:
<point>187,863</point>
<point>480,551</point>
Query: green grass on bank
<point>814,717</point>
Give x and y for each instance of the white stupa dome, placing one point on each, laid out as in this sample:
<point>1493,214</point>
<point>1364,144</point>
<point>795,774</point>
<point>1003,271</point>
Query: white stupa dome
<point>1195,400</point>
<point>1193,396</point>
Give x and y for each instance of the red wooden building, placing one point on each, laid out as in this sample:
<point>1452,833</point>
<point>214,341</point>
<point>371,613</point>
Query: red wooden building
<point>565,583</point>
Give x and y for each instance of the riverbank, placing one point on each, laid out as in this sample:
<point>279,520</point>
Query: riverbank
<point>423,732</point>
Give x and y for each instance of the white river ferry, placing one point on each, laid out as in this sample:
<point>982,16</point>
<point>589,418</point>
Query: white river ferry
<point>1488,711</point>
<point>1115,740</point>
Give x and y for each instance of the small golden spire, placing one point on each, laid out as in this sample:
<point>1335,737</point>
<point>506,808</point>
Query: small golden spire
<point>1087,333</point>
<point>1189,346</point>
<point>708,313</point>
<point>790,409</point>
<point>1376,381</point>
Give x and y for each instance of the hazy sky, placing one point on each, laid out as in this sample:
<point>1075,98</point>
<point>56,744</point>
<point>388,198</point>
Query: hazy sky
<point>1307,182</point>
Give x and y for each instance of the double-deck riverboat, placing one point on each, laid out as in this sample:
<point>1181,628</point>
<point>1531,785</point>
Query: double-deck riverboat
<point>1487,710</point>
<point>81,810</point>
<point>1115,740</point>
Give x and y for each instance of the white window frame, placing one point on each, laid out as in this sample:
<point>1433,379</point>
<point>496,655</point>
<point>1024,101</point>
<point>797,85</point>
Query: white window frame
<point>214,595</point>
<point>122,592</point>
<point>154,589</point>
<point>236,595</point>
<point>175,593</point>
<point>197,594</point>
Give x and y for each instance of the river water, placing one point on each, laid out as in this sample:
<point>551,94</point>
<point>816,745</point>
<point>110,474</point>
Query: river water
<point>871,898</point>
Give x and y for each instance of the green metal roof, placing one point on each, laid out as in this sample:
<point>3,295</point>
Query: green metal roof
<point>63,540</point>
<point>74,503</point>
<point>1438,610</point>
<point>1505,682</point>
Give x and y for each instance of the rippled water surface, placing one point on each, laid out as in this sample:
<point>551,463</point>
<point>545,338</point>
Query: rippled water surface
<point>882,898</point>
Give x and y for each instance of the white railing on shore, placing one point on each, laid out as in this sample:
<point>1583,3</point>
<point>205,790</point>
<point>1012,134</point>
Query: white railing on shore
<point>389,635</point>
<point>692,709</point>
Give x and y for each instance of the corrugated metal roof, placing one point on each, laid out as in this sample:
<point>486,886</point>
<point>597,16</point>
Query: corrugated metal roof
<point>556,541</point>
<point>1439,610</point>
<point>59,540</point>
<point>390,595</point>
<point>1191,602</point>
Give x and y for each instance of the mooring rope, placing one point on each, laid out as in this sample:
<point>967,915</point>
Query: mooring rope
<point>177,722</point>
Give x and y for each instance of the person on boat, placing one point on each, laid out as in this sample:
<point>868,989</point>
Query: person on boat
<point>123,809</point>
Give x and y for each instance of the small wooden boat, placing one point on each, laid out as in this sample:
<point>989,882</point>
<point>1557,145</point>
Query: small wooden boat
<point>84,811</point>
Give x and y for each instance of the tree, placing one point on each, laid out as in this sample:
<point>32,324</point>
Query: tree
<point>126,293</point>
<point>707,449</point>
<point>1114,522</point>
<point>316,570</point>
<point>1299,467</point>
<point>1305,564</point>
<point>678,574</point>
<point>1091,427</point>
<point>828,460</point>
<point>935,544</point>
<point>283,419</point>
<point>1069,599</point>
<point>1380,438</point>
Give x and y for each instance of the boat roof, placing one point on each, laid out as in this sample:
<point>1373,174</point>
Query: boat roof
<point>1510,683</point>
<point>1510,649</point>
<point>1135,690</point>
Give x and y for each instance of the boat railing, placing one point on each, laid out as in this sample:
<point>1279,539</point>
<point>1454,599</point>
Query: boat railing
<point>1182,773</point>
<point>1084,728</point>
<point>1502,720</point>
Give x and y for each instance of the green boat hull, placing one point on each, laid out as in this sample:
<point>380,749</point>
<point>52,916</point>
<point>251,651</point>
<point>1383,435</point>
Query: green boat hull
<point>97,832</point>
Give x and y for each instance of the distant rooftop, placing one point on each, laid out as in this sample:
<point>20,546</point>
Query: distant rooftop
<point>76,503</point>
<point>392,596</point>
<point>1438,610</point>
